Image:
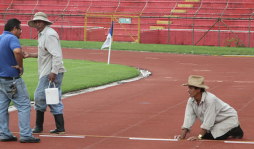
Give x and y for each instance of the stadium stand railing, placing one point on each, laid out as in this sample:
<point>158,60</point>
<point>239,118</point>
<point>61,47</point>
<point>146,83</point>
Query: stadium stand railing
<point>189,22</point>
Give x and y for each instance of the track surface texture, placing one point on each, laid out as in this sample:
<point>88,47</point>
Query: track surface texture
<point>152,107</point>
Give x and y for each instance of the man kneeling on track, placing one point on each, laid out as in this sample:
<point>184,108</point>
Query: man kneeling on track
<point>219,120</point>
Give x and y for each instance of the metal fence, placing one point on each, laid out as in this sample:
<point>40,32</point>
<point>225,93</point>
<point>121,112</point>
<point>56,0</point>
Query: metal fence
<point>194,29</point>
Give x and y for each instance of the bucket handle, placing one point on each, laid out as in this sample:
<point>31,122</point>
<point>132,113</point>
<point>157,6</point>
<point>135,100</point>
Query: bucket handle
<point>53,83</point>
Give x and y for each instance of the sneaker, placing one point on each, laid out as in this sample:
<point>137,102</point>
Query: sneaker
<point>14,138</point>
<point>31,140</point>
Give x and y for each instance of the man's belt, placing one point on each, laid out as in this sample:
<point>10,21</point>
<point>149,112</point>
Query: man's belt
<point>9,78</point>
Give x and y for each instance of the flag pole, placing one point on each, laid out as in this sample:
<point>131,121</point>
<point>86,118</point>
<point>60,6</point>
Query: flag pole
<point>109,53</point>
<point>109,50</point>
<point>108,41</point>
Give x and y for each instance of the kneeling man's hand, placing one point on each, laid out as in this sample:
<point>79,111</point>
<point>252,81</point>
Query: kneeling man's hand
<point>178,137</point>
<point>193,138</point>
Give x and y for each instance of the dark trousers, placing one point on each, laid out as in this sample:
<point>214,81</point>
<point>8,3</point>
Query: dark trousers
<point>235,132</point>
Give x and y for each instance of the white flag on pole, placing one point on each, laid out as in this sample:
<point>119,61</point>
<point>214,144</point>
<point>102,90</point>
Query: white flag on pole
<point>108,41</point>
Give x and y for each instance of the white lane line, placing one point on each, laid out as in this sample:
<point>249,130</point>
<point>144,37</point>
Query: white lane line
<point>153,139</point>
<point>151,58</point>
<point>187,64</point>
<point>239,142</point>
<point>96,53</point>
<point>201,70</point>
<point>62,136</point>
<point>244,81</point>
<point>238,55</point>
<point>168,77</point>
<point>213,81</point>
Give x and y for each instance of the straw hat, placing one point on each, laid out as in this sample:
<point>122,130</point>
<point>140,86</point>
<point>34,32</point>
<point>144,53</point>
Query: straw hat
<point>197,81</point>
<point>39,16</point>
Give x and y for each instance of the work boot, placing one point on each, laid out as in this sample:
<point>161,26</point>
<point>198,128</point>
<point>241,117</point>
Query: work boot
<point>39,122</point>
<point>31,140</point>
<point>236,132</point>
<point>59,124</point>
<point>13,138</point>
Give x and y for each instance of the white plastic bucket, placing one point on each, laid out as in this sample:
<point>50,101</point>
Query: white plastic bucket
<point>52,95</point>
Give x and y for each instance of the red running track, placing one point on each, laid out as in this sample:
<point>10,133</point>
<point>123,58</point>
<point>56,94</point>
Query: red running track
<point>149,108</point>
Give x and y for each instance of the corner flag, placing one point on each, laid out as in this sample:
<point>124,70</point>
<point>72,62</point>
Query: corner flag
<point>108,41</point>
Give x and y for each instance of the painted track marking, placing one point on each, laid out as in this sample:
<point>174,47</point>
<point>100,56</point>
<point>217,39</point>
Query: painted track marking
<point>135,138</point>
<point>243,142</point>
<point>61,136</point>
<point>153,139</point>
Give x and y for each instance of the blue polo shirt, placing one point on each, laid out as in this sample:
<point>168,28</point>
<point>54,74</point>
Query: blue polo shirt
<point>8,42</point>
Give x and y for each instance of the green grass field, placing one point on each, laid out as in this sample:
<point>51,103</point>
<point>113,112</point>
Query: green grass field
<point>80,74</point>
<point>85,74</point>
<point>183,49</point>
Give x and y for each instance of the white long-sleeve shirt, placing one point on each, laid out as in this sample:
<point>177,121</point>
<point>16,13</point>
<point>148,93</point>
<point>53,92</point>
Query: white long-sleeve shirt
<point>215,115</point>
<point>50,59</point>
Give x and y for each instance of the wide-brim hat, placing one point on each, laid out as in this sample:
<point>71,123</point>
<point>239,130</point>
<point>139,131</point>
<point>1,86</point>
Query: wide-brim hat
<point>197,81</point>
<point>39,16</point>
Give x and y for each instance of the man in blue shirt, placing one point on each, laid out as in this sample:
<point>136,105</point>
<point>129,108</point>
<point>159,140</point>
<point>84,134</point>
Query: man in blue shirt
<point>12,87</point>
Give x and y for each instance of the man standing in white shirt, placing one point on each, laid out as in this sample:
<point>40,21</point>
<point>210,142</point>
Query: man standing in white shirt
<point>219,120</point>
<point>50,69</point>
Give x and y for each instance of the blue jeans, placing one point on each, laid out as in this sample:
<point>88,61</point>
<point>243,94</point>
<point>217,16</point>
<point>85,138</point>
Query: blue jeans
<point>21,101</point>
<point>40,97</point>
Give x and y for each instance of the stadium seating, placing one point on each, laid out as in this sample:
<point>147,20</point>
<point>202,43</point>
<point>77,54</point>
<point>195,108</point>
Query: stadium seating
<point>69,19</point>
